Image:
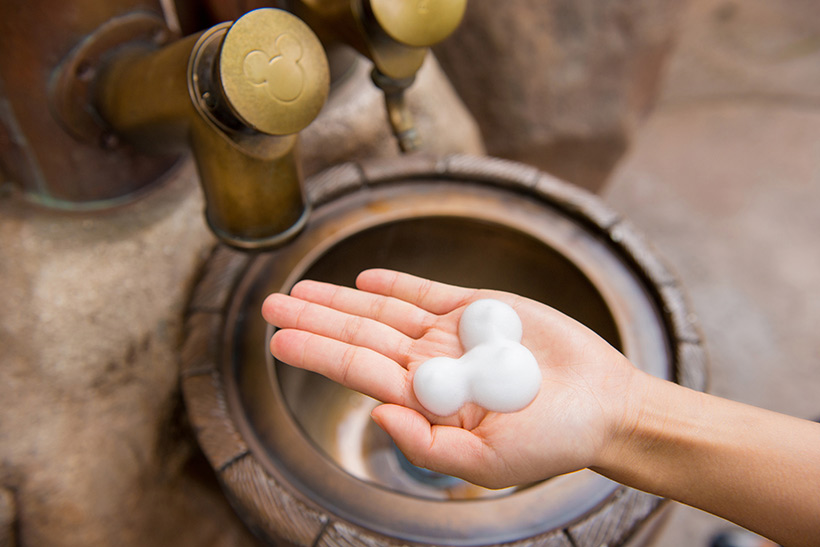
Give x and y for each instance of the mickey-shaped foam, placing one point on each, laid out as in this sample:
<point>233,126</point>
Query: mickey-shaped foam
<point>496,371</point>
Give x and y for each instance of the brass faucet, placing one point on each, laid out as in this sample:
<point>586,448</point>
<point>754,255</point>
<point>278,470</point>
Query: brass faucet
<point>394,34</point>
<point>237,95</point>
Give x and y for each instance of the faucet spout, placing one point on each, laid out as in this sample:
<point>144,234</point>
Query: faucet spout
<point>398,111</point>
<point>236,95</point>
<point>395,35</point>
<point>252,186</point>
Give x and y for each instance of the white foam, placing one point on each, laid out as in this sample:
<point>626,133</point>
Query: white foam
<point>496,372</point>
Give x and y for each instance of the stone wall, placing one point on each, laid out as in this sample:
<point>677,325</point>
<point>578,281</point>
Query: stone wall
<point>561,84</point>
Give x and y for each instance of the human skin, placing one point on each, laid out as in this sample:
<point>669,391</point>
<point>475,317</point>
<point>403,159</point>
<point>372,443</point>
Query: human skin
<point>594,410</point>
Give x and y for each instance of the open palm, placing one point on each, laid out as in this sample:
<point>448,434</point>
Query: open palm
<point>373,339</point>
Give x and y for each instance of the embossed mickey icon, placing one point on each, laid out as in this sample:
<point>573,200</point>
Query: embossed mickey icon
<point>281,74</point>
<point>496,371</point>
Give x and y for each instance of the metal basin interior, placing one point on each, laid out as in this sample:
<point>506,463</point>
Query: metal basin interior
<point>318,436</point>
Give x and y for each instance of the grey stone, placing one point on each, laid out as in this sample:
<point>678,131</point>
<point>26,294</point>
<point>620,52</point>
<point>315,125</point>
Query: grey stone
<point>560,84</point>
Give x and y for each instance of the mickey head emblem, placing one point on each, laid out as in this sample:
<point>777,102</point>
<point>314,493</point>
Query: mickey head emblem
<point>281,74</point>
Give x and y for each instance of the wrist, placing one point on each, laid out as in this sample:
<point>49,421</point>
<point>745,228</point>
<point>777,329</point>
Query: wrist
<point>636,426</point>
<point>662,430</point>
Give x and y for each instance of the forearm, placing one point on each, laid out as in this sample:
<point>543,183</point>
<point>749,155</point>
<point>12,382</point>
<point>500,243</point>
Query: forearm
<point>751,466</point>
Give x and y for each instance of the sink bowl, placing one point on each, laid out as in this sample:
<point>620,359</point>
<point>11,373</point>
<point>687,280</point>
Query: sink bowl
<point>298,454</point>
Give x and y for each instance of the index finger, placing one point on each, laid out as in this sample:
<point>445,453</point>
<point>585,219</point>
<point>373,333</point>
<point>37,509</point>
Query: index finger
<point>358,368</point>
<point>432,296</point>
<point>398,314</point>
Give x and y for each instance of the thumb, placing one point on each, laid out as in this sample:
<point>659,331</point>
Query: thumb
<point>445,449</point>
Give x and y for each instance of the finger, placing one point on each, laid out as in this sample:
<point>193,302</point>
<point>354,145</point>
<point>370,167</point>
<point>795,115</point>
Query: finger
<point>357,368</point>
<point>288,312</point>
<point>445,449</point>
<point>402,316</point>
<point>432,296</point>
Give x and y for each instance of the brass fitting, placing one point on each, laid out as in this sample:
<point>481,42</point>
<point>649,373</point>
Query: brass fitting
<point>236,95</point>
<point>394,34</point>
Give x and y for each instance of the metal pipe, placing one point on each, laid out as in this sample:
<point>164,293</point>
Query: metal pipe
<point>398,111</point>
<point>142,95</point>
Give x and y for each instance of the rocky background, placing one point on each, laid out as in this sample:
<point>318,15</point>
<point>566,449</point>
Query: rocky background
<point>561,84</point>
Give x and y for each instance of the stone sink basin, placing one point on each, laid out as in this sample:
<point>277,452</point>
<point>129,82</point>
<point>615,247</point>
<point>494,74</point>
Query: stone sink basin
<point>298,455</point>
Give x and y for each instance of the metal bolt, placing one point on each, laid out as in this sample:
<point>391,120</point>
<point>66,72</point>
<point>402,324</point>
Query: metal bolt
<point>109,140</point>
<point>160,36</point>
<point>209,99</point>
<point>84,71</point>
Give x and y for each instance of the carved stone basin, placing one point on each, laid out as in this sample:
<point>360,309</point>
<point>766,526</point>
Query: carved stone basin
<point>299,456</point>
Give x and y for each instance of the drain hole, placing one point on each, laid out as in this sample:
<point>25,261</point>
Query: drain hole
<point>424,476</point>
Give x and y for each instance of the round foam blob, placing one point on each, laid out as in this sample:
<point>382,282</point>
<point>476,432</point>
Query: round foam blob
<point>486,320</point>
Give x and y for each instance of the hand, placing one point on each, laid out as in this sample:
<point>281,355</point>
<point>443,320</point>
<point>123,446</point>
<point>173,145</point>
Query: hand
<point>373,339</point>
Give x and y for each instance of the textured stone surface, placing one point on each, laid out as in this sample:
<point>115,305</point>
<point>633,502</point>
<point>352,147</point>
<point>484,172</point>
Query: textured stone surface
<point>92,430</point>
<point>734,50</point>
<point>560,84</point>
